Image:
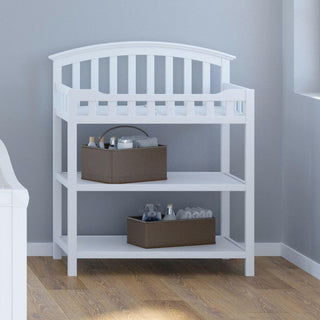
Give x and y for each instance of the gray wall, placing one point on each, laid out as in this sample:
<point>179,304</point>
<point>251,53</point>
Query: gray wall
<point>301,155</point>
<point>306,45</point>
<point>31,30</point>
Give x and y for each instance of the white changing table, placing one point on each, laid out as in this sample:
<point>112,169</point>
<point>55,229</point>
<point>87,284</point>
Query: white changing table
<point>232,105</point>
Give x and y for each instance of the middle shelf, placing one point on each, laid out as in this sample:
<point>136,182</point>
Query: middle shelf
<point>177,181</point>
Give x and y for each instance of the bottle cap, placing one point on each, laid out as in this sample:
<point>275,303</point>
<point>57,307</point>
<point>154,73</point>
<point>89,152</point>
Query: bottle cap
<point>101,139</point>
<point>91,139</point>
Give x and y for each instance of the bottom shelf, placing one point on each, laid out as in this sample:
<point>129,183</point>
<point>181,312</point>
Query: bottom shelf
<point>116,247</point>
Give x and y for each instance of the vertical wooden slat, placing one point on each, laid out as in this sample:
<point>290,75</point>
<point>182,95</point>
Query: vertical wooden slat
<point>169,75</point>
<point>188,85</point>
<point>229,107</point>
<point>151,108</point>
<point>113,76</point>
<point>171,108</point>
<point>169,84</point>
<point>76,75</point>
<point>92,108</point>
<point>131,83</point>
<point>190,108</point>
<point>206,87</point>
<point>206,77</point>
<point>131,74</point>
<point>150,74</point>
<point>150,84</point>
<point>209,108</point>
<point>113,81</point>
<point>95,74</point>
<point>187,76</point>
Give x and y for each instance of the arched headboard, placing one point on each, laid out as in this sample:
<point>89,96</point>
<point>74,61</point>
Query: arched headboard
<point>146,48</point>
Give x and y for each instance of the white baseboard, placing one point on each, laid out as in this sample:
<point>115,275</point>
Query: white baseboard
<point>262,249</point>
<point>300,260</point>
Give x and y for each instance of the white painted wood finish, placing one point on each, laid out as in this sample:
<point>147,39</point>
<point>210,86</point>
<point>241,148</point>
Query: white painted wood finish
<point>57,188</point>
<point>231,97</point>
<point>150,74</point>
<point>14,200</point>
<point>141,48</point>
<point>249,178</point>
<point>131,84</point>
<point>113,80</point>
<point>76,75</point>
<point>72,195</point>
<point>224,108</point>
<point>95,74</point>
<point>225,154</point>
<point>116,247</point>
<point>177,181</point>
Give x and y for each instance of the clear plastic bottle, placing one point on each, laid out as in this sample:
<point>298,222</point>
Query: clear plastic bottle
<point>170,215</point>
<point>91,143</point>
<point>101,143</point>
<point>113,143</point>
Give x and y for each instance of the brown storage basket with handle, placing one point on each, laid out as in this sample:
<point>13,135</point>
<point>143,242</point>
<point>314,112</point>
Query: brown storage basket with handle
<point>126,165</point>
<point>158,234</point>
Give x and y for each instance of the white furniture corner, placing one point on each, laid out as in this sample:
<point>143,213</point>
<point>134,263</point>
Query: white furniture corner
<point>75,105</point>
<point>14,200</point>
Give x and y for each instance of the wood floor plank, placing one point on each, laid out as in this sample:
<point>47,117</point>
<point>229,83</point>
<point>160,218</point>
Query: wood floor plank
<point>41,306</point>
<point>296,278</point>
<point>130,275</point>
<point>53,274</point>
<point>265,316</point>
<point>294,303</point>
<point>171,289</point>
<point>109,287</point>
<point>209,303</point>
<point>243,292</point>
<point>235,295</point>
<point>171,310</point>
<point>81,305</point>
<point>264,280</point>
<point>142,283</point>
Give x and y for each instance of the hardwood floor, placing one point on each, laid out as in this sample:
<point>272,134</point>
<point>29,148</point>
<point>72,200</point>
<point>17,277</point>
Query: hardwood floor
<point>171,289</point>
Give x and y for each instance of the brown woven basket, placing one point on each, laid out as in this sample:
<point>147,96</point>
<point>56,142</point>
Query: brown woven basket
<point>126,165</point>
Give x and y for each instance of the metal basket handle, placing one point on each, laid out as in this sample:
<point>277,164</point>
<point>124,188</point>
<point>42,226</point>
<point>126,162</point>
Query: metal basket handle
<point>116,127</point>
